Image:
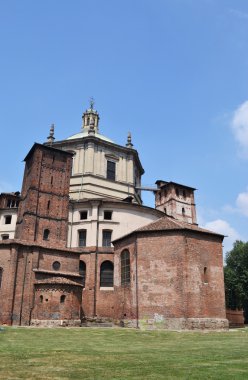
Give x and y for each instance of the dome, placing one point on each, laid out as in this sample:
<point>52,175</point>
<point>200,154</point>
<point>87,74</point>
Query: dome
<point>83,134</point>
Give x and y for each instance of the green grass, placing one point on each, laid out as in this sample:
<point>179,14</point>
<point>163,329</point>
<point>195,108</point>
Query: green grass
<point>81,353</point>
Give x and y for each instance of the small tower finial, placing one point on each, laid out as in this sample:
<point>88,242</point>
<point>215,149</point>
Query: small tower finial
<point>51,137</point>
<point>92,102</point>
<point>129,140</point>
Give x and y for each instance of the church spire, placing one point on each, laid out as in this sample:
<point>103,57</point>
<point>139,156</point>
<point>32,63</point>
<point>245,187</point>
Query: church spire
<point>90,118</point>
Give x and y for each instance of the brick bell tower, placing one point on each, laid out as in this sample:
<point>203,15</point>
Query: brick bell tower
<point>43,211</point>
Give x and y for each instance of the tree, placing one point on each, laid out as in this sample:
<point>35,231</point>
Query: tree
<point>236,277</point>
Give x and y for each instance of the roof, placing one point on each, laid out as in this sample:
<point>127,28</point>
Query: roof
<point>82,135</point>
<point>46,147</point>
<point>166,183</point>
<point>167,223</point>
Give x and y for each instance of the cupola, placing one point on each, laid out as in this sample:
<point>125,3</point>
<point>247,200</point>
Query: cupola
<point>90,118</point>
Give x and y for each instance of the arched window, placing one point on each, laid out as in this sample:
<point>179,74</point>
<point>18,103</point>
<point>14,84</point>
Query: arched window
<point>125,267</point>
<point>46,234</point>
<point>1,276</point>
<point>107,274</point>
<point>183,211</point>
<point>62,299</point>
<point>82,271</point>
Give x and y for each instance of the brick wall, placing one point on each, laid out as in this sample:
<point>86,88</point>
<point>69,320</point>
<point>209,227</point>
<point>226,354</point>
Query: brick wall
<point>45,200</point>
<point>28,272</point>
<point>175,276</point>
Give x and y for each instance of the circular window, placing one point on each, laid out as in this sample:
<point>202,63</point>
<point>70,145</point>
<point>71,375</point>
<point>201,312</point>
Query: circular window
<point>56,265</point>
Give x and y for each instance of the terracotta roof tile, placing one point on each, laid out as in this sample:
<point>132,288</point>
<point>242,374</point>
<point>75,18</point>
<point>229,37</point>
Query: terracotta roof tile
<point>167,223</point>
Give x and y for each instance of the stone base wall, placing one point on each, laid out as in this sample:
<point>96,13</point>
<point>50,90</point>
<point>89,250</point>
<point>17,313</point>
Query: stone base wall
<point>178,324</point>
<point>55,323</point>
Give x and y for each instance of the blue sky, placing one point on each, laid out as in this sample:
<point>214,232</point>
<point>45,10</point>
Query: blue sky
<point>173,72</point>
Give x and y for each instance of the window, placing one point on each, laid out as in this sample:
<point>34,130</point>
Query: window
<point>41,299</point>
<point>83,215</point>
<point>46,234</point>
<point>107,215</point>
<point>106,238</point>
<point>1,276</point>
<point>5,237</point>
<point>88,121</point>
<point>111,170</point>
<point>205,275</point>
<point>48,205</point>
<point>125,267</point>
<point>107,274</point>
<point>82,238</point>
<point>183,211</point>
<point>8,219</point>
<point>82,271</point>
<point>56,265</point>
<point>62,299</point>
<point>12,203</point>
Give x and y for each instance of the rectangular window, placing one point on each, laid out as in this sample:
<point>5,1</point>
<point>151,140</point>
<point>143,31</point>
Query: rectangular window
<point>8,219</point>
<point>107,215</point>
<point>82,238</point>
<point>106,238</point>
<point>5,237</point>
<point>83,215</point>
<point>111,170</point>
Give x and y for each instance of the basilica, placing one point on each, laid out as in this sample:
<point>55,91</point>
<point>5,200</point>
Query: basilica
<point>79,248</point>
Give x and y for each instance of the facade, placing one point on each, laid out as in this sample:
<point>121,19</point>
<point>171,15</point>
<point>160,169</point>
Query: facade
<point>80,224</point>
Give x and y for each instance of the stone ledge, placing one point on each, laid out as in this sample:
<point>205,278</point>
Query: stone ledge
<point>55,322</point>
<point>178,324</point>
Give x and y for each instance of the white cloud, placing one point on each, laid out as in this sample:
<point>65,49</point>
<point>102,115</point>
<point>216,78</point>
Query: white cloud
<point>239,125</point>
<point>242,203</point>
<point>223,227</point>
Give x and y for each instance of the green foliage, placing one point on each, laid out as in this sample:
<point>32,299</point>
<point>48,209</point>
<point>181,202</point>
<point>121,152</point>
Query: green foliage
<point>121,354</point>
<point>236,276</point>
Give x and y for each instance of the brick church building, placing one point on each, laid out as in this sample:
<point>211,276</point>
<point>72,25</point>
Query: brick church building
<point>78,246</point>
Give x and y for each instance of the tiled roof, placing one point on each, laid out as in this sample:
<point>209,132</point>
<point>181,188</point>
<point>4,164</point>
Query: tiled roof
<point>167,223</point>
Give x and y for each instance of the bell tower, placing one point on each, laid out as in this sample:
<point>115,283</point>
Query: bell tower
<point>43,210</point>
<point>176,200</point>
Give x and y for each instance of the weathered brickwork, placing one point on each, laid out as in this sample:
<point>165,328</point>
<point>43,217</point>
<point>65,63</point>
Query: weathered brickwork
<point>45,201</point>
<point>176,280</point>
<point>40,277</point>
<point>172,278</point>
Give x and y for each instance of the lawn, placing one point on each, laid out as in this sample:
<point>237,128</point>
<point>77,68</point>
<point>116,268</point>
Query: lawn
<point>81,353</point>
